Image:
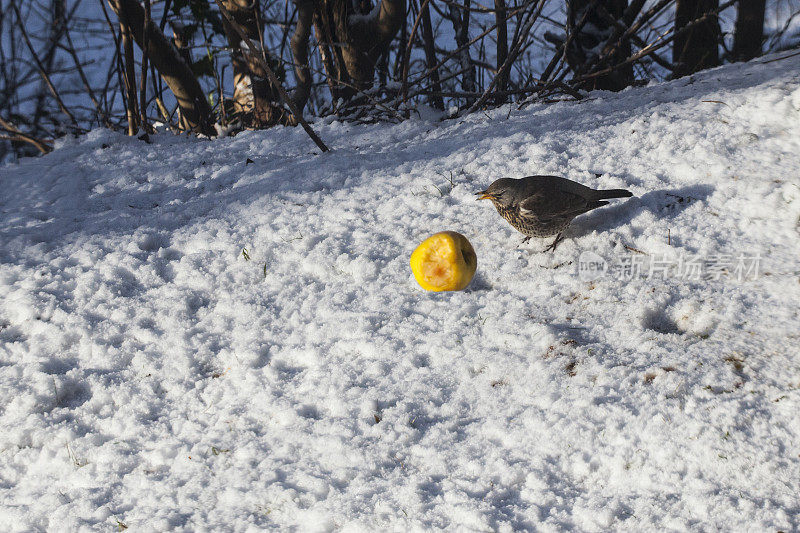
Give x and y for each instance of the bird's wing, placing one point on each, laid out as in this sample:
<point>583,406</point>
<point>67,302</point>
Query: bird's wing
<point>557,204</point>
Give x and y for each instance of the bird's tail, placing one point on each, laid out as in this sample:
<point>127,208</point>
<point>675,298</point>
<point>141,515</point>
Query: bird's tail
<point>614,193</point>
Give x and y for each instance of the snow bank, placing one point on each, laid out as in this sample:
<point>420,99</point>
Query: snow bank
<point>152,375</point>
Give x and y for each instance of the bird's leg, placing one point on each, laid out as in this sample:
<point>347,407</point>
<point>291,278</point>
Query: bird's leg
<point>553,246</point>
<point>526,239</point>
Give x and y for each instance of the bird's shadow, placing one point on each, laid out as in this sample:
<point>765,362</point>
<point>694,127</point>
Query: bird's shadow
<point>664,203</point>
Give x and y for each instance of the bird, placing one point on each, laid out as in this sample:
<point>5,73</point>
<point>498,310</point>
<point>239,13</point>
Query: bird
<point>542,206</point>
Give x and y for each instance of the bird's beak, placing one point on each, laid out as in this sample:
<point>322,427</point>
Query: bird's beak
<point>485,196</point>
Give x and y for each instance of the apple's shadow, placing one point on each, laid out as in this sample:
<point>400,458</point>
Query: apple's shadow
<point>479,283</point>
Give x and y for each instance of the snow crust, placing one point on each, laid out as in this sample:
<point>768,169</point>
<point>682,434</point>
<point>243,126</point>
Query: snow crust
<point>151,375</point>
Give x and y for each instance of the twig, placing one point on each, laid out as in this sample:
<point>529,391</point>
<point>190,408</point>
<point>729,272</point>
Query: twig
<point>656,45</point>
<point>715,102</point>
<point>143,78</point>
<point>41,69</point>
<point>428,42</point>
<point>512,56</point>
<point>43,145</point>
<point>115,63</point>
<point>407,55</point>
<point>129,72</point>
<point>20,137</point>
<point>71,50</point>
<point>625,31</point>
<point>636,250</point>
<point>559,55</point>
<point>780,58</point>
<point>163,23</point>
<point>451,54</point>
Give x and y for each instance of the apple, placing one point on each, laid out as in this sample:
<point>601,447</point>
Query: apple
<point>444,261</point>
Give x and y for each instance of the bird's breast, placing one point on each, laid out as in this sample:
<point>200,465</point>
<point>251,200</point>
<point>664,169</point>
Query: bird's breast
<point>531,226</point>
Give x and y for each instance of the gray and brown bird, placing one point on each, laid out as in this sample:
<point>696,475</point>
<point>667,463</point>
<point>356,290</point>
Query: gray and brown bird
<point>542,206</point>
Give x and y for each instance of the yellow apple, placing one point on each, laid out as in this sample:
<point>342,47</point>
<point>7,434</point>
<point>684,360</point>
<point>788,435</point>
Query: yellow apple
<point>445,261</point>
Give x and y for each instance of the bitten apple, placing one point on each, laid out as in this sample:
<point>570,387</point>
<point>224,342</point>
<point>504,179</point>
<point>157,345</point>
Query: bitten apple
<point>444,261</point>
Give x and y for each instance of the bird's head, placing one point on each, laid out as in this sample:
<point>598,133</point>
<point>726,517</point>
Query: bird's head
<point>501,192</point>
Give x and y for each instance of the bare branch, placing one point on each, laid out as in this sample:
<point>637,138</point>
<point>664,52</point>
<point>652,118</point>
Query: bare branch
<point>299,45</point>
<point>274,80</point>
<point>41,69</point>
<point>195,110</point>
<point>43,145</point>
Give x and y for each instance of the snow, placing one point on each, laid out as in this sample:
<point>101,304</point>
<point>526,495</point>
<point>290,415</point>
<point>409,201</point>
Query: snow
<point>152,376</point>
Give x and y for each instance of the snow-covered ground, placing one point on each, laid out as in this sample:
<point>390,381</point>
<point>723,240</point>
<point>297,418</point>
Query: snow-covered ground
<point>153,376</point>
